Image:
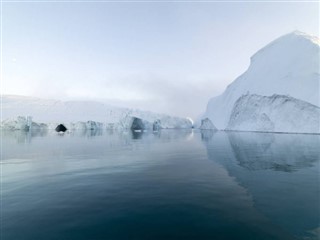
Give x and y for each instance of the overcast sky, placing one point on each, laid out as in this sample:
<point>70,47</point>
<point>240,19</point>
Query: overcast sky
<point>165,57</point>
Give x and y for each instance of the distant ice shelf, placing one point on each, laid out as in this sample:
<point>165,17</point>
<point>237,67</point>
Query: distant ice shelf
<point>17,112</point>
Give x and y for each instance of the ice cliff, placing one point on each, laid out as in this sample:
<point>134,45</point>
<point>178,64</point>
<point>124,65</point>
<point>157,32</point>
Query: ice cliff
<point>276,113</point>
<point>287,66</point>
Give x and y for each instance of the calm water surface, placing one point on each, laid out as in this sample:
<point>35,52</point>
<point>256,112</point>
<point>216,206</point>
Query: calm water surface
<point>167,185</point>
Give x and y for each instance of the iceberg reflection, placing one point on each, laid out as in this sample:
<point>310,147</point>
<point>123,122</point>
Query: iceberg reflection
<point>279,171</point>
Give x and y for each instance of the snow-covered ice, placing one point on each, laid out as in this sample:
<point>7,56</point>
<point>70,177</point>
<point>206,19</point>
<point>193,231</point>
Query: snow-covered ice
<point>80,115</point>
<point>287,66</point>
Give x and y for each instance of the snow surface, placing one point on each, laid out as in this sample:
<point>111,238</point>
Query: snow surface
<point>287,66</point>
<point>80,114</point>
<point>277,113</point>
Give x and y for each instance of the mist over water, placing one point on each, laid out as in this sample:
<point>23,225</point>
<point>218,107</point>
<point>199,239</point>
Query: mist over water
<point>172,184</point>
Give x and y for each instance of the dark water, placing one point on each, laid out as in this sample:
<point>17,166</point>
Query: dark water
<point>167,185</point>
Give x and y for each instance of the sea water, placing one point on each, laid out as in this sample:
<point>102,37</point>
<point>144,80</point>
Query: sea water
<point>171,184</point>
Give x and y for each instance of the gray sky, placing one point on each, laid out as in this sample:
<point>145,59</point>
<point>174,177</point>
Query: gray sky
<point>165,57</point>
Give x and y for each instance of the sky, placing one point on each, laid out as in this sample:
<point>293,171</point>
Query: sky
<point>167,57</point>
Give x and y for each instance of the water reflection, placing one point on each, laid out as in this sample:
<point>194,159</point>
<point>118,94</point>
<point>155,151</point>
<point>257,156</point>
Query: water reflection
<point>136,134</point>
<point>183,184</point>
<point>279,152</point>
<point>90,141</point>
<point>279,171</point>
<point>164,134</point>
<point>206,134</point>
<point>23,137</point>
<point>85,133</point>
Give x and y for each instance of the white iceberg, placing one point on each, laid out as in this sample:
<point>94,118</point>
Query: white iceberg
<point>287,66</point>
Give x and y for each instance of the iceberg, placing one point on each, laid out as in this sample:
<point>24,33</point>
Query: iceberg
<point>287,66</point>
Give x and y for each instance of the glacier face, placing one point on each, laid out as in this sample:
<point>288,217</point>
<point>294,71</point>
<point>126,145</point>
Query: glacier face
<point>276,113</point>
<point>80,115</point>
<point>287,66</point>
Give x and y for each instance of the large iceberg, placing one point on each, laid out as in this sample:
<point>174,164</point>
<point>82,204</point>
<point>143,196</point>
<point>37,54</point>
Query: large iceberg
<point>287,66</point>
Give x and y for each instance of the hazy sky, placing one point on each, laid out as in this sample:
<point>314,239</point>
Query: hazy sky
<point>166,57</point>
